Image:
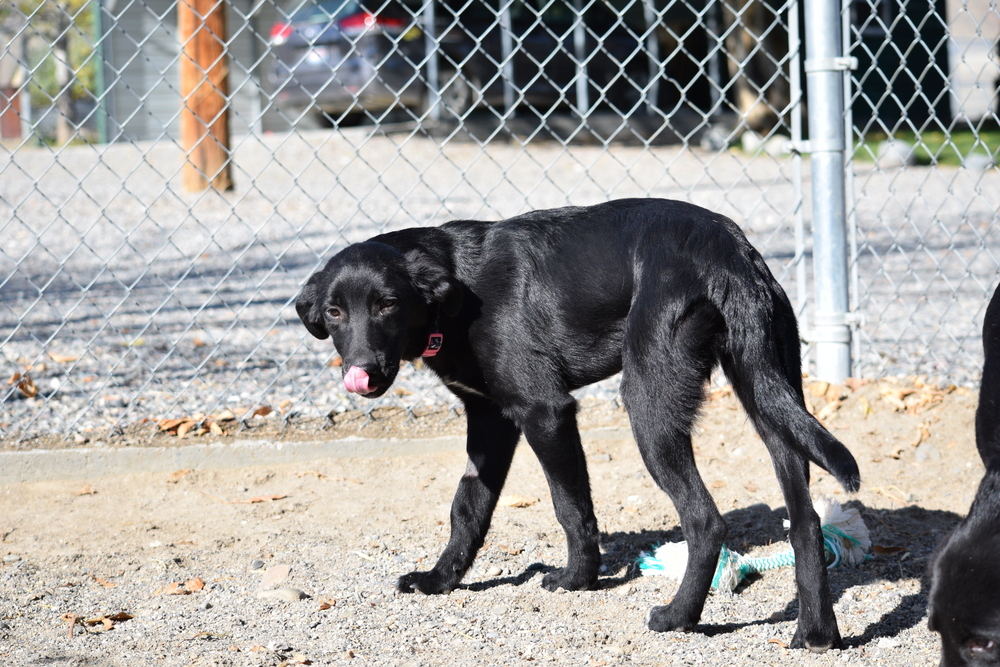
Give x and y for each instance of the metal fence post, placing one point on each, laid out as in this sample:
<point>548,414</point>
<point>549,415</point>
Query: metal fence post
<point>824,68</point>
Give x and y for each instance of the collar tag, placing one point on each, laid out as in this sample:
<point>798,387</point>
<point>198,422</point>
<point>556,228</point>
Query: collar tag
<point>434,343</point>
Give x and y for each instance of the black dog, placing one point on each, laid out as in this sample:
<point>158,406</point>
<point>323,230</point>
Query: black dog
<point>515,314</point>
<point>964,603</point>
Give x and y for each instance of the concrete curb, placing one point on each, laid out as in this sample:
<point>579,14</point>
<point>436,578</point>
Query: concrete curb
<point>94,462</point>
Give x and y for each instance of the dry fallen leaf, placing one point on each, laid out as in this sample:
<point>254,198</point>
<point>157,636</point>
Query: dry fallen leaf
<point>778,642</point>
<point>263,411</point>
<point>881,550</point>
<point>336,362</point>
<point>177,476</point>
<point>315,473</point>
<point>515,500</point>
<point>178,588</point>
<point>721,392</point>
<point>25,384</point>
<point>60,358</point>
<point>854,383</point>
<point>102,620</point>
<point>818,389</point>
<point>87,490</point>
<point>515,551</point>
<point>895,395</point>
<point>327,603</point>
<point>106,584</point>
<point>169,424</point>
<point>183,429</point>
<point>263,499</point>
<point>829,409</point>
<point>73,620</point>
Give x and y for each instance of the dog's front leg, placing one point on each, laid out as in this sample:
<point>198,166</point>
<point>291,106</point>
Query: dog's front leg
<point>490,444</point>
<point>552,433</point>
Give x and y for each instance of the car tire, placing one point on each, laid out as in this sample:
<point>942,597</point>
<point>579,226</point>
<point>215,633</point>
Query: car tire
<point>458,95</point>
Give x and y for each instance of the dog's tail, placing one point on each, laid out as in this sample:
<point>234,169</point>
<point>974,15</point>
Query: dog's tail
<point>761,358</point>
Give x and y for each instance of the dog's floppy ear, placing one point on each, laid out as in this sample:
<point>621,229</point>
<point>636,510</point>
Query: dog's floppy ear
<point>434,281</point>
<point>310,309</point>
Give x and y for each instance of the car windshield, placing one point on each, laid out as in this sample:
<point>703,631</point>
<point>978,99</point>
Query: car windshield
<point>325,11</point>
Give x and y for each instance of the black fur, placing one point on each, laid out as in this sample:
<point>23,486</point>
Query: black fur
<point>536,306</point>
<point>964,605</point>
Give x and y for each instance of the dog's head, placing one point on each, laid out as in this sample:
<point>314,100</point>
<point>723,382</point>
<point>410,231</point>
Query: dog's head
<point>964,602</point>
<point>375,301</point>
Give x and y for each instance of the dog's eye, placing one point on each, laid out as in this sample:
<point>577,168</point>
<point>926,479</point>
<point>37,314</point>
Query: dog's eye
<point>387,304</point>
<point>333,311</point>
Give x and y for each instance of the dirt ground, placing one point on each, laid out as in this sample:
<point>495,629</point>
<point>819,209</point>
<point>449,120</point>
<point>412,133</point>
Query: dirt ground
<point>295,564</point>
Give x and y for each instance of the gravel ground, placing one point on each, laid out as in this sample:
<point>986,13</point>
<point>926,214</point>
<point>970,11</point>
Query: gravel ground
<point>193,568</point>
<point>124,299</point>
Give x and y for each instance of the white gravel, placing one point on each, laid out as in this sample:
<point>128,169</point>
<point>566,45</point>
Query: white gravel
<point>125,299</point>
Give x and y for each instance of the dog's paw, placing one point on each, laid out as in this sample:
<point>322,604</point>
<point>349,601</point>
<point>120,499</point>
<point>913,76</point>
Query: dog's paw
<point>429,583</point>
<point>666,619</point>
<point>817,642</point>
<point>569,580</point>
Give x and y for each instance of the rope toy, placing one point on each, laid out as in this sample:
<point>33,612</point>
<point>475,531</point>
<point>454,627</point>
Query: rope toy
<point>845,540</point>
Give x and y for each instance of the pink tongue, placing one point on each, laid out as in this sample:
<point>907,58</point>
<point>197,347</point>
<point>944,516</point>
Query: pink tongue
<point>356,381</point>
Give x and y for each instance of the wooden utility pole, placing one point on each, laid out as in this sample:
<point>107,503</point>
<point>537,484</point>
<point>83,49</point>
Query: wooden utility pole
<point>205,92</point>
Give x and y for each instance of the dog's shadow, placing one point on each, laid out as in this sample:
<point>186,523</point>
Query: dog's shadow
<point>904,539</point>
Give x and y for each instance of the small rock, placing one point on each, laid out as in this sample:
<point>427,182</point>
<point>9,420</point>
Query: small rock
<point>494,571</point>
<point>275,575</point>
<point>927,451</point>
<point>751,141</point>
<point>205,605</point>
<point>895,153</point>
<point>11,558</point>
<point>615,649</point>
<point>715,139</point>
<point>978,162</point>
<point>888,642</point>
<point>256,565</point>
<point>778,146</point>
<point>285,594</point>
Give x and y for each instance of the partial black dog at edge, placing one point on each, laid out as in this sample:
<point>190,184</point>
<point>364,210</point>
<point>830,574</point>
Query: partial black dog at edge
<point>964,603</point>
<point>514,314</point>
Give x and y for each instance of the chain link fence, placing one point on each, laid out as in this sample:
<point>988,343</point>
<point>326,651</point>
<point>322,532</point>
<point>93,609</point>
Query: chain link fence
<point>127,298</point>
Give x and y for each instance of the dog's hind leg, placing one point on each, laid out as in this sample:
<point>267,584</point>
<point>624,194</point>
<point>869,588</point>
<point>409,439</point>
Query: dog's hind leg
<point>551,431</point>
<point>668,358</point>
<point>817,625</point>
<point>491,441</point>
<point>765,374</point>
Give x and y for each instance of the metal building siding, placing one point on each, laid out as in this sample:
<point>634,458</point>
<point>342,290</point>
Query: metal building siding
<point>143,64</point>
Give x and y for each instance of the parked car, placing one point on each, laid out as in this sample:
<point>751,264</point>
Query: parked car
<point>349,56</point>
